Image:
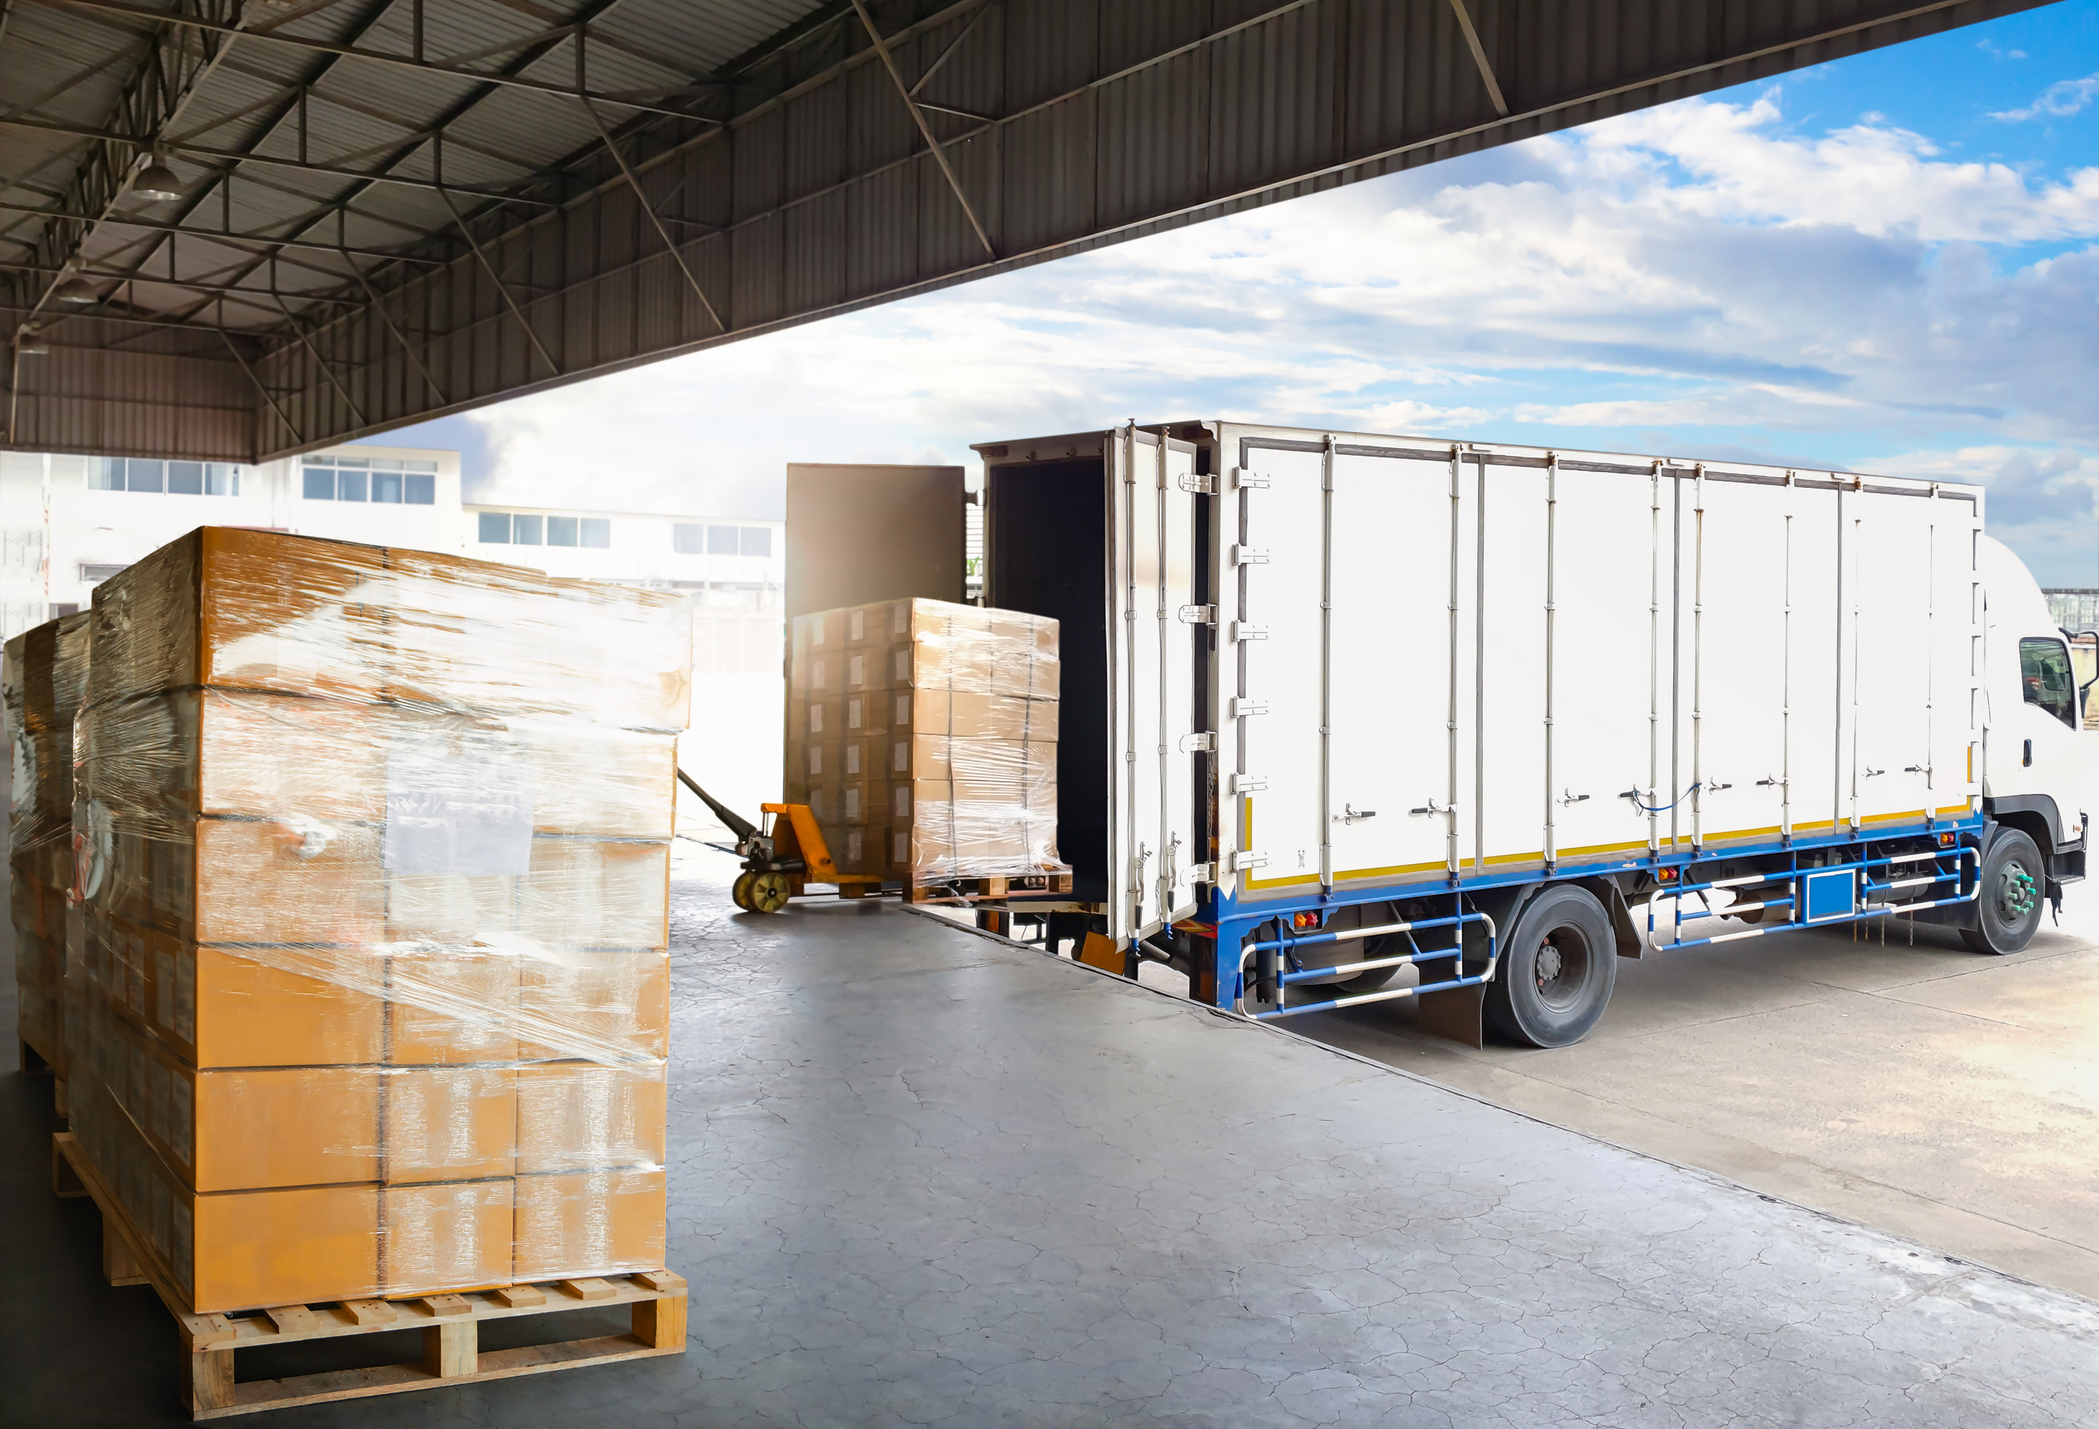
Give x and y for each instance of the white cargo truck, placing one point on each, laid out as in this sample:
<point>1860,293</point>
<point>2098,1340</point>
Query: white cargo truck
<point>1338,703</point>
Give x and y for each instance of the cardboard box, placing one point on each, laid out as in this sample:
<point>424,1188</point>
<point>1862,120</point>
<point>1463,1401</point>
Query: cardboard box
<point>611,1006</point>
<point>960,714</point>
<point>448,1124</point>
<point>448,1004</point>
<point>449,1236</point>
<point>584,1116</point>
<point>589,1223</point>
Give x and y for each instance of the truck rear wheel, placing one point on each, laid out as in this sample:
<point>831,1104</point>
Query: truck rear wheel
<point>2014,876</point>
<point>1557,966</point>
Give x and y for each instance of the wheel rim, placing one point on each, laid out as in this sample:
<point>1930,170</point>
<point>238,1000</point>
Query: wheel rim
<point>1560,968</point>
<point>2016,894</point>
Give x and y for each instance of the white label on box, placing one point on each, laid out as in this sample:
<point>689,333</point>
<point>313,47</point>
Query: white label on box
<point>852,759</point>
<point>852,802</point>
<point>855,842</point>
<point>858,620</point>
<point>903,801</point>
<point>816,761</point>
<point>903,666</point>
<point>903,711</point>
<point>816,719</point>
<point>816,674</point>
<point>903,756</point>
<point>465,813</point>
<point>852,713</point>
<point>856,670</point>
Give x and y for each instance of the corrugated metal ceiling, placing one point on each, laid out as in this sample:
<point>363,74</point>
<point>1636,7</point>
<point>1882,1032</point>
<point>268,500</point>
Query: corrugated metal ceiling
<point>393,208</point>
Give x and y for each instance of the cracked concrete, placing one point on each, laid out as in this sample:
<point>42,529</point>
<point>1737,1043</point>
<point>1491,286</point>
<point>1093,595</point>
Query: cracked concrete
<point>924,1178</point>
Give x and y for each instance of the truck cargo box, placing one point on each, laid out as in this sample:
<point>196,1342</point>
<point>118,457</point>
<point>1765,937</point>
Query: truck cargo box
<point>1306,663</point>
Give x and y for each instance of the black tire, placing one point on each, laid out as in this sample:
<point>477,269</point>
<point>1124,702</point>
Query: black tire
<point>2014,882</point>
<point>1558,963</point>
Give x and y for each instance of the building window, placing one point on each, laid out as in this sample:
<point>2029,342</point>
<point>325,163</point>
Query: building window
<point>519,529</point>
<point>721,541</point>
<point>95,575</point>
<point>180,478</point>
<point>689,540</point>
<point>393,480</point>
<point>757,541</point>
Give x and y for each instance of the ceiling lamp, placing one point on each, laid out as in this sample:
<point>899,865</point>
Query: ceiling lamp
<point>27,344</point>
<point>74,289</point>
<point>157,180</point>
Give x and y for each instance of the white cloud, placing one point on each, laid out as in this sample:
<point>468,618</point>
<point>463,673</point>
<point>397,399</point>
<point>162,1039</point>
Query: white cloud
<point>2064,97</point>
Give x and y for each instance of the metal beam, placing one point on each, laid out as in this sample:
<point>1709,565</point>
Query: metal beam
<point>232,158</point>
<point>196,285</point>
<point>132,220</point>
<point>918,117</point>
<point>1479,58</point>
<point>354,52</point>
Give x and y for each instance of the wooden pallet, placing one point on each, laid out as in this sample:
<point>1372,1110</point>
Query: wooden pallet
<point>450,1324</point>
<point>925,888</point>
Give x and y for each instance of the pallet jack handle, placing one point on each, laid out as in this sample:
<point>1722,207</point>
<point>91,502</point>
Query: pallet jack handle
<point>736,823</point>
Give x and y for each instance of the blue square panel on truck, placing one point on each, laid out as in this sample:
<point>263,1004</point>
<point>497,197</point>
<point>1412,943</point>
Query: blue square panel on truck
<point>1831,895</point>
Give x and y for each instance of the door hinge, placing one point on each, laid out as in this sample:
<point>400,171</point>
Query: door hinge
<point>1198,615</point>
<point>1241,707</point>
<point>1247,783</point>
<point>1200,485</point>
<point>1200,873</point>
<point>1242,478</point>
<point>1242,631</point>
<point>1202,743</point>
<point>1249,556</point>
<point>1244,860</point>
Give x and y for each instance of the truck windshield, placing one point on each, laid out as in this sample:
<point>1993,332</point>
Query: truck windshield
<point>2044,672</point>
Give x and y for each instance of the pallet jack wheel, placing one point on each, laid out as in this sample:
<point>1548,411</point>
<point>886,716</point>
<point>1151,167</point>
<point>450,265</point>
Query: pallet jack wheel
<point>768,892</point>
<point>740,891</point>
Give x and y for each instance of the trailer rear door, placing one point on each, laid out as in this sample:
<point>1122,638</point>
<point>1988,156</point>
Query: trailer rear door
<point>1157,618</point>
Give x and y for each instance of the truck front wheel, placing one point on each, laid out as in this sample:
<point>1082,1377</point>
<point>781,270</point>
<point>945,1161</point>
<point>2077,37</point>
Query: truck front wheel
<point>1557,966</point>
<point>2014,877</point>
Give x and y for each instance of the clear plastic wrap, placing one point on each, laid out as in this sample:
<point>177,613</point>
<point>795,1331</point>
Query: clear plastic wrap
<point>45,674</point>
<point>923,737</point>
<point>372,851</point>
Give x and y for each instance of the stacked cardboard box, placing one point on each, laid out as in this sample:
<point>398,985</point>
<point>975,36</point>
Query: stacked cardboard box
<point>46,673</point>
<point>376,858</point>
<point>923,737</point>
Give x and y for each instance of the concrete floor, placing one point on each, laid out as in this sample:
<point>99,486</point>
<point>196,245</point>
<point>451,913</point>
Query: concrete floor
<point>1921,1089</point>
<point>922,1177</point>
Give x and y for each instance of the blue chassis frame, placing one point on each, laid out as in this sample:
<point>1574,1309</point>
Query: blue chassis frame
<point>1234,919</point>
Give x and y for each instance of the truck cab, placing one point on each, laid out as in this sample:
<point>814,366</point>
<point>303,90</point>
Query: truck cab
<point>2038,762</point>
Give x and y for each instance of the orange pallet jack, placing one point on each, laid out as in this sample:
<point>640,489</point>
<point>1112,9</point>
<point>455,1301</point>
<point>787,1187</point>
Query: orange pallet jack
<point>779,861</point>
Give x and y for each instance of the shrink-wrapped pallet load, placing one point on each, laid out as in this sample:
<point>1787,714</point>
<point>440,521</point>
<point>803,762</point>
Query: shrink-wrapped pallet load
<point>375,859</point>
<point>46,675</point>
<point>923,737</point>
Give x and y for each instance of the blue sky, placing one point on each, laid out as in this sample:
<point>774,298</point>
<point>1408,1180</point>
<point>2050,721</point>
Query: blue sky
<point>1888,263</point>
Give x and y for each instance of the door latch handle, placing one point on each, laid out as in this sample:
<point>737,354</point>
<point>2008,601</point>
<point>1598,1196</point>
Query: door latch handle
<point>1432,807</point>
<point>1568,797</point>
<point>1354,815</point>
